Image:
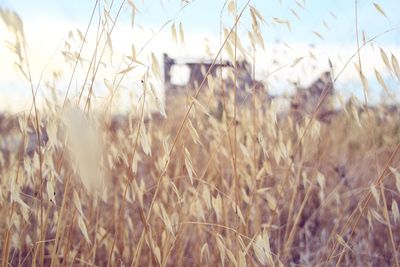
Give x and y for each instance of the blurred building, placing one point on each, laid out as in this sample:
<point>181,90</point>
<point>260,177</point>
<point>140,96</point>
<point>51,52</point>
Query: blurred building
<point>320,93</point>
<point>193,72</point>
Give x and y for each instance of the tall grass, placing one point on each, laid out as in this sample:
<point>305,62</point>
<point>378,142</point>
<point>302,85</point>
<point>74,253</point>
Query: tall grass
<point>207,179</point>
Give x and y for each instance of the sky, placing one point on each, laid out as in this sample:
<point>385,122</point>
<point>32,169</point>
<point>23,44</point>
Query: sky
<point>47,24</point>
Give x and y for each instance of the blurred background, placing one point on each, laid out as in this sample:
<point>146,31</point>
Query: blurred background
<point>311,30</point>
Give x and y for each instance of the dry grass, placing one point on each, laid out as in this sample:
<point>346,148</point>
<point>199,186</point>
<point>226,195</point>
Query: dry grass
<point>254,186</point>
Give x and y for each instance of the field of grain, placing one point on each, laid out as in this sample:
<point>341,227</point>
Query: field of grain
<point>220,174</point>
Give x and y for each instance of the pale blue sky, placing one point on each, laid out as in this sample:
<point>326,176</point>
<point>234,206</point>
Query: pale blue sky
<point>202,18</point>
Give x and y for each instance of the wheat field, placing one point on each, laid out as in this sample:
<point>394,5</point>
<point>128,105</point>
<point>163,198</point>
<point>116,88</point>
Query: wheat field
<point>216,173</point>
